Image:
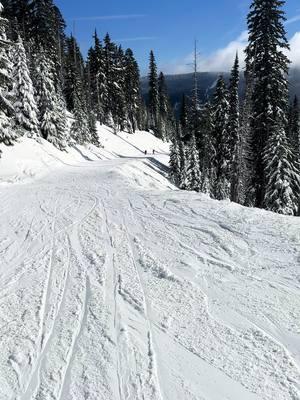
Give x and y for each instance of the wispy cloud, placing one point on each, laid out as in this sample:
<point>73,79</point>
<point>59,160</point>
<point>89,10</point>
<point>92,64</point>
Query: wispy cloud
<point>136,39</point>
<point>289,21</point>
<point>222,59</point>
<point>109,17</point>
<point>294,53</point>
<point>218,61</point>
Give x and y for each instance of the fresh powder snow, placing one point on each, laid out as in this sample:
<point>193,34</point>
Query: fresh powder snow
<point>114,285</point>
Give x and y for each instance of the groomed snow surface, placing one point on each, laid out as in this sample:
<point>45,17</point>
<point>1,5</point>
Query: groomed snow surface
<point>116,286</point>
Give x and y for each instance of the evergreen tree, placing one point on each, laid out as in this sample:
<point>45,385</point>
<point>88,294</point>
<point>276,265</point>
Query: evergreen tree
<point>294,128</point>
<point>282,174</point>
<point>193,173</point>
<point>182,157</point>
<point>18,12</point>
<point>110,51</point>
<point>207,151</point>
<point>183,118</point>
<point>234,131</point>
<point>46,30</point>
<point>26,120</point>
<point>220,114</point>
<point>175,165</point>
<point>119,111</point>
<point>80,129</point>
<point>7,136</point>
<point>74,79</point>
<point>96,78</point>
<point>50,105</point>
<point>94,137</point>
<point>153,96</point>
<point>132,90</point>
<point>166,123</point>
<point>266,60</point>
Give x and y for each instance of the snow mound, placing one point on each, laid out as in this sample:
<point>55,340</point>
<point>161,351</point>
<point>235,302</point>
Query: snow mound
<point>28,158</point>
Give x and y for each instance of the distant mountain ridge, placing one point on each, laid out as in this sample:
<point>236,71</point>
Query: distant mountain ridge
<point>183,83</point>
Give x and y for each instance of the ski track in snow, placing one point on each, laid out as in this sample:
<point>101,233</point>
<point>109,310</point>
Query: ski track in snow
<point>114,287</point>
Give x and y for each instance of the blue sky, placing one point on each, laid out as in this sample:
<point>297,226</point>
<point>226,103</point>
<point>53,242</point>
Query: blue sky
<point>170,26</point>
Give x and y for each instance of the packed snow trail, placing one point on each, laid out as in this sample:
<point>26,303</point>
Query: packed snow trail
<point>116,286</point>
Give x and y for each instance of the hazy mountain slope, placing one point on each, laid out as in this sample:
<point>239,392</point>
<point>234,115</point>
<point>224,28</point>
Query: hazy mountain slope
<point>179,84</point>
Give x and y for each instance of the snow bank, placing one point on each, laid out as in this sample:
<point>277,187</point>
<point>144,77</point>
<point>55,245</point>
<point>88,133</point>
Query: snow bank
<point>28,159</point>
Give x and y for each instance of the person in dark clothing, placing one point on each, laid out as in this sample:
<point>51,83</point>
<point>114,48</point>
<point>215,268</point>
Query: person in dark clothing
<point>145,152</point>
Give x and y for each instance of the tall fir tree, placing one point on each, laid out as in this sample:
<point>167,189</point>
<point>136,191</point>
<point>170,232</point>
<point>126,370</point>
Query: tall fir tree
<point>119,110</point>
<point>51,111</point>
<point>266,60</point>
<point>45,29</point>
<point>96,78</point>
<point>7,135</point>
<point>110,51</point>
<point>167,124</point>
<point>153,96</point>
<point>183,117</point>
<point>132,91</point>
<point>220,115</point>
<point>294,128</point>
<point>193,173</point>
<point>207,151</point>
<point>80,129</point>
<point>234,132</point>
<point>26,119</point>
<point>175,163</point>
<point>282,174</point>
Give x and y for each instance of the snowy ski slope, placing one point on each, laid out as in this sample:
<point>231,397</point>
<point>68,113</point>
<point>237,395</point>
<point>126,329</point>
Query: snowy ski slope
<point>116,286</point>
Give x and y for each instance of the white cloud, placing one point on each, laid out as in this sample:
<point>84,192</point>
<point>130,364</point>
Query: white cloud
<point>109,17</point>
<point>136,39</point>
<point>222,59</point>
<point>294,54</point>
<point>218,61</point>
<point>296,18</point>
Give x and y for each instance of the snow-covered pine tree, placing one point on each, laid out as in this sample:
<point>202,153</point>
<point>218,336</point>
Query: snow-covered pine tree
<point>282,174</point>
<point>182,156</point>
<point>45,29</point>
<point>153,96</point>
<point>50,104</point>
<point>80,129</point>
<point>193,173</point>
<point>294,128</point>
<point>234,132</point>
<point>207,151</point>
<point>183,117</point>
<point>96,78</point>
<point>175,164</point>
<point>94,137</point>
<point>18,12</point>
<point>76,93</point>
<point>194,111</point>
<point>109,76</point>
<point>132,90</point>
<point>266,60</point>
<point>119,109</point>
<point>220,110</point>
<point>26,120</point>
<point>7,135</point>
<point>74,84</point>
<point>166,124</point>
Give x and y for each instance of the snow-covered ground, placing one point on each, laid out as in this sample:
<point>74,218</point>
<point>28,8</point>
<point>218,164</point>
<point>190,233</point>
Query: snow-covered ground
<point>116,286</point>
